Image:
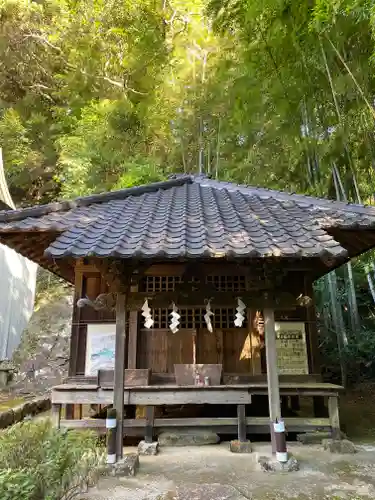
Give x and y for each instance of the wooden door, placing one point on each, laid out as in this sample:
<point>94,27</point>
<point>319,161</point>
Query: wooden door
<point>180,348</point>
<point>237,351</point>
<point>210,346</point>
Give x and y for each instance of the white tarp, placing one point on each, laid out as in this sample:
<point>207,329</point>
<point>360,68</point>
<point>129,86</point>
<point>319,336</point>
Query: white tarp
<point>17,288</point>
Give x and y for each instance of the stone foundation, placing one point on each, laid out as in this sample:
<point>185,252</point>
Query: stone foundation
<point>270,464</point>
<point>240,446</point>
<point>316,437</point>
<point>127,466</point>
<point>189,437</point>
<point>343,446</point>
<point>27,409</point>
<point>148,448</point>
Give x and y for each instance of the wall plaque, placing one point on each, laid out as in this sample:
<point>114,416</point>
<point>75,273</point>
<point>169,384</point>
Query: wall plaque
<point>100,348</point>
<point>291,348</point>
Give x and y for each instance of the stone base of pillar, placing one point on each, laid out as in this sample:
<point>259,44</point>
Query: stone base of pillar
<point>270,464</point>
<point>126,466</point>
<point>237,446</point>
<point>148,448</point>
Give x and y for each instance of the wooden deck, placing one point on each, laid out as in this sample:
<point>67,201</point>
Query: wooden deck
<point>172,394</point>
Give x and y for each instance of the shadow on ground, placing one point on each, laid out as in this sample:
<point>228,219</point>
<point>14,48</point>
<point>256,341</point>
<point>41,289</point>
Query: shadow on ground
<point>213,473</point>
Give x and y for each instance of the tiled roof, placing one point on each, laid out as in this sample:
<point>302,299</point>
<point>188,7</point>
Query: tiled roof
<point>192,216</point>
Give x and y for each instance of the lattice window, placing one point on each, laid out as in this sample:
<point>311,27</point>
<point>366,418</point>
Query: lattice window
<point>228,283</point>
<point>160,283</point>
<point>222,283</point>
<point>194,318</point>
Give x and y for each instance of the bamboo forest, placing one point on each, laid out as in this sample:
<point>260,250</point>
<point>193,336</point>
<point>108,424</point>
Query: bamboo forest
<point>99,95</point>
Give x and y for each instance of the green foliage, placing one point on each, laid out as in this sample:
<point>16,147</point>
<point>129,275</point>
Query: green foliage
<point>275,94</point>
<point>359,348</point>
<point>42,463</point>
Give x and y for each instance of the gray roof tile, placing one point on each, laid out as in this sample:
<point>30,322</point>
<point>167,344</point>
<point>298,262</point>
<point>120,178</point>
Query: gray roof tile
<point>192,217</point>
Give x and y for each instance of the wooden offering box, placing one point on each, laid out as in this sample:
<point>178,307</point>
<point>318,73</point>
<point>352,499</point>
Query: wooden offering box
<point>185,373</point>
<point>133,377</point>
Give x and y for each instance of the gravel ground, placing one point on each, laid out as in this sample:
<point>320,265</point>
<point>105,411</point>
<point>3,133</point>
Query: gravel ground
<point>213,473</point>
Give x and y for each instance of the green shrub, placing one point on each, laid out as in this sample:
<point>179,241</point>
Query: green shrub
<point>38,462</point>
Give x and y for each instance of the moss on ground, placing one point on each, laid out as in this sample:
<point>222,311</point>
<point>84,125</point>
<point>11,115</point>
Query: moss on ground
<point>5,404</point>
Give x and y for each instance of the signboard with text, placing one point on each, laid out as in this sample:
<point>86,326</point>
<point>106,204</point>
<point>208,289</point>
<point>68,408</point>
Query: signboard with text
<point>291,348</point>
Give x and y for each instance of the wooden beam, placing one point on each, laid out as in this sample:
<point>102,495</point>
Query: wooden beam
<point>118,396</point>
<point>89,268</point>
<point>260,425</point>
<point>196,298</point>
<point>272,371</point>
<point>154,396</point>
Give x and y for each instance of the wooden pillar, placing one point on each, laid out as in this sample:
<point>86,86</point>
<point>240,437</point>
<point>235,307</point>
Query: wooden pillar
<point>150,412</point>
<point>111,425</point>
<point>334,419</point>
<point>120,356</point>
<point>272,371</point>
<point>241,415</point>
<point>79,291</point>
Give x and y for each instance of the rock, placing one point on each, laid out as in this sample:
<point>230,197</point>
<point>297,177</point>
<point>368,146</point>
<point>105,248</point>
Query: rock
<point>148,448</point>
<point>315,437</point>
<point>127,466</point>
<point>189,437</point>
<point>44,350</point>
<point>43,404</point>
<point>343,446</point>
<point>270,464</point>
<point>6,419</point>
<point>27,409</point>
<point>237,446</point>
<point>18,413</point>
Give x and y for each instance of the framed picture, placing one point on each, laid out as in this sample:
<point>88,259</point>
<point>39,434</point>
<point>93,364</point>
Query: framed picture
<point>291,348</point>
<point>100,348</point>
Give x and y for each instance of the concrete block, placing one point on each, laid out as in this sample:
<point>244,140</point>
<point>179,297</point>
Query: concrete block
<point>343,446</point>
<point>148,448</point>
<point>237,446</point>
<point>270,464</point>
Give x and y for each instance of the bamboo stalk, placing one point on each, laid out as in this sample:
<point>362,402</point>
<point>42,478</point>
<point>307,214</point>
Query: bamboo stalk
<point>352,77</point>
<point>332,288</point>
<point>355,322</point>
<point>370,282</point>
<point>217,151</point>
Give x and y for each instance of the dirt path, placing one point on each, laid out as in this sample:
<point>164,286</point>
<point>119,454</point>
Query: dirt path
<point>213,473</point>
